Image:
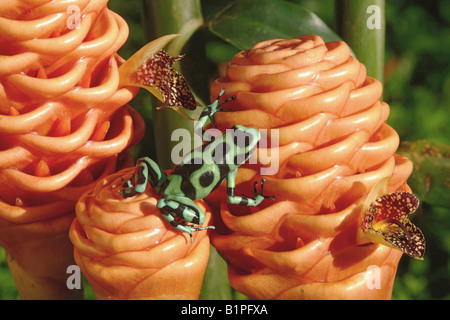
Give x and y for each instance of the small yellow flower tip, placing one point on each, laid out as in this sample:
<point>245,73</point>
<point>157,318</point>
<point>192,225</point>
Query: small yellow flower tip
<point>386,220</point>
<point>152,68</point>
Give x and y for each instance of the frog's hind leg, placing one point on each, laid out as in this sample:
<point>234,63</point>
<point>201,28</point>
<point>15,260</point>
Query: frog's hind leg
<point>180,212</point>
<point>147,171</point>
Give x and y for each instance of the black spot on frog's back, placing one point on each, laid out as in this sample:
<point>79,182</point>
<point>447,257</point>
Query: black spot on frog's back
<point>206,178</point>
<point>185,171</point>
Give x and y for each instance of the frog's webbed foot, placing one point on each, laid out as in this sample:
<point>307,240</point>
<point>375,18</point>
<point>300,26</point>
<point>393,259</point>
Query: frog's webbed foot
<point>247,201</point>
<point>128,189</point>
<point>213,108</point>
<point>208,114</point>
<point>260,193</point>
<point>193,229</point>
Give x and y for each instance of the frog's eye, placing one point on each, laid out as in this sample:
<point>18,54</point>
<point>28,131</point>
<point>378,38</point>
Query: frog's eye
<point>242,139</point>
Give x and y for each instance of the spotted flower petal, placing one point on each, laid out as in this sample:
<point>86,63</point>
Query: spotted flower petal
<point>386,220</point>
<point>152,68</point>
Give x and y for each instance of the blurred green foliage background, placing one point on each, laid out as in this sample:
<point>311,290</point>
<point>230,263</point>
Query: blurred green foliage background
<point>416,86</point>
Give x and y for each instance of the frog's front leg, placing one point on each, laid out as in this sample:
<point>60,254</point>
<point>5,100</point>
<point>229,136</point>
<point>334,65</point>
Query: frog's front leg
<point>179,211</point>
<point>244,200</point>
<point>146,171</point>
<point>208,113</point>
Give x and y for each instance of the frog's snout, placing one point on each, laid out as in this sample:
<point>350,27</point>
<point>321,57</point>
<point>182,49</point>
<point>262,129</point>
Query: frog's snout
<point>246,137</point>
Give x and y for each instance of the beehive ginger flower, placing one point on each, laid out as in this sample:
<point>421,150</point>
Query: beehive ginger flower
<point>127,250</point>
<point>332,145</point>
<point>64,124</point>
<point>63,114</point>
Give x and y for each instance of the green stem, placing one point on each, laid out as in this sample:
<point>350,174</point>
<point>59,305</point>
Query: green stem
<point>215,283</point>
<point>162,17</point>
<point>361,23</point>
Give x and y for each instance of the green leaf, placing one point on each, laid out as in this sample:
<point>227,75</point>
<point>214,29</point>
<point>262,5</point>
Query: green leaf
<point>247,22</point>
<point>162,17</point>
<point>430,179</point>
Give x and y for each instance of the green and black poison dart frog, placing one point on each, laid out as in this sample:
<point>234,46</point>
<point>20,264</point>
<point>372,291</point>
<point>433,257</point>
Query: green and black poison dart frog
<point>201,171</point>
